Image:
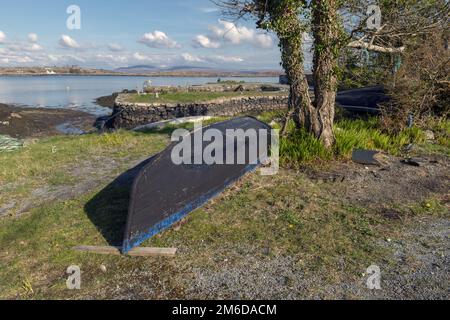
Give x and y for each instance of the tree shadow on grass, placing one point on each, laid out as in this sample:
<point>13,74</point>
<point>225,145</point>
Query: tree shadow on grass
<point>108,209</point>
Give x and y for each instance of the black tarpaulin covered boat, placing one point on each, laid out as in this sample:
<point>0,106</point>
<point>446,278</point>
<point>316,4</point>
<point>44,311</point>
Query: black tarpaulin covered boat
<point>163,192</point>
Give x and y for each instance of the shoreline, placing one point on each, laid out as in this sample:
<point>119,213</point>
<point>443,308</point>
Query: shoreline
<point>27,122</point>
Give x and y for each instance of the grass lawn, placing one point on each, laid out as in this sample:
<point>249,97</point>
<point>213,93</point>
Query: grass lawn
<point>261,219</point>
<point>193,97</point>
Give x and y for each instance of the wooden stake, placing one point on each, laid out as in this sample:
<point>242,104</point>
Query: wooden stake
<point>136,252</point>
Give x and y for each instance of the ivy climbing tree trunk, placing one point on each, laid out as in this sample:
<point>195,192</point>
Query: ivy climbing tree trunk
<point>317,116</point>
<point>299,99</point>
<point>290,33</point>
<point>327,31</point>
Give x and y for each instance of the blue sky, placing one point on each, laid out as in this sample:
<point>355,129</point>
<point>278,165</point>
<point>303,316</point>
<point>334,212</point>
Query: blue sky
<point>122,33</point>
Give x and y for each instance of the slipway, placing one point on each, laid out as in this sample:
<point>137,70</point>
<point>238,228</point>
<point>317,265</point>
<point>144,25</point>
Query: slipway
<point>164,192</point>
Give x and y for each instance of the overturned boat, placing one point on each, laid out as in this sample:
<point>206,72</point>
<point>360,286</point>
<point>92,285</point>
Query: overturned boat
<point>180,179</point>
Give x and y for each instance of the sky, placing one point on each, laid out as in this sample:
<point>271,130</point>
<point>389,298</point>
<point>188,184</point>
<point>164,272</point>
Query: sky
<point>115,33</point>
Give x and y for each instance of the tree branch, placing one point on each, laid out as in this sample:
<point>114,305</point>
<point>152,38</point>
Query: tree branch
<point>358,44</point>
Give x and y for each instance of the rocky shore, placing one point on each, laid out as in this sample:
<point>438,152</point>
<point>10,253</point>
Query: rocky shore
<point>20,122</point>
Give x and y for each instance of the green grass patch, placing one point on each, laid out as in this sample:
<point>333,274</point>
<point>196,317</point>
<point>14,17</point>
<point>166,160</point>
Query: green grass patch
<point>193,97</point>
<point>54,156</point>
<point>365,134</point>
<point>300,146</point>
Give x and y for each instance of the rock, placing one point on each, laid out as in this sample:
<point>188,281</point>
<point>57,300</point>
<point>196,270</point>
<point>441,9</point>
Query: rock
<point>429,135</point>
<point>365,157</point>
<point>103,268</point>
<point>16,115</point>
<point>411,162</point>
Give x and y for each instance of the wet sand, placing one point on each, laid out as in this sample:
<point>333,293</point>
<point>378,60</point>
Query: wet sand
<point>20,122</point>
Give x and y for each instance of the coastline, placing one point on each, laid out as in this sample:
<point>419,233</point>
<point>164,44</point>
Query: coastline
<point>26,122</point>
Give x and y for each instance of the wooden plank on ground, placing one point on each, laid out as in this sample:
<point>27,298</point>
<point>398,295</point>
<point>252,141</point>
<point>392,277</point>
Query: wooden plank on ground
<point>136,252</point>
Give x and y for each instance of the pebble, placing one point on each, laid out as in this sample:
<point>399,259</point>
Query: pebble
<point>429,135</point>
<point>103,268</point>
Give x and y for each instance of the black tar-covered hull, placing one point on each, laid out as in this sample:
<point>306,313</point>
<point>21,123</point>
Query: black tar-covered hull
<point>163,192</point>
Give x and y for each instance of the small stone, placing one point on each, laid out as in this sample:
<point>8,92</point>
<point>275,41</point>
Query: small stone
<point>16,115</point>
<point>429,135</point>
<point>103,268</point>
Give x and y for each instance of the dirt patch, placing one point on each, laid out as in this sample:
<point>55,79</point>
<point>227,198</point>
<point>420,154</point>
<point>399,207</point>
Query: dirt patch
<point>393,183</point>
<point>40,122</point>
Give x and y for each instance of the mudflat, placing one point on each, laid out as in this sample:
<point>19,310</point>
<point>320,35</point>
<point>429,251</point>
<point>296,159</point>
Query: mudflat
<point>21,122</point>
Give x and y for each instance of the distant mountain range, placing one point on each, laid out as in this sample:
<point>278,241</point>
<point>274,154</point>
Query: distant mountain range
<point>149,68</point>
<point>193,71</point>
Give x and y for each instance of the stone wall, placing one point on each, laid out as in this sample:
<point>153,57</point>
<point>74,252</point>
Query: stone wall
<point>130,115</point>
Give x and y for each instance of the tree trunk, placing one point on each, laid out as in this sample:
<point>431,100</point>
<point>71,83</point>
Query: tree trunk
<point>318,117</point>
<point>326,51</point>
<point>293,64</point>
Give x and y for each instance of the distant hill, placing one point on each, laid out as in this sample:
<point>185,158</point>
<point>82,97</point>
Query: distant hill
<point>144,69</point>
<point>136,69</point>
<point>192,71</point>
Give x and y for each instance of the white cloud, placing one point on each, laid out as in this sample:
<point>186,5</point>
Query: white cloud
<point>204,42</point>
<point>263,41</point>
<point>209,10</point>
<point>115,47</point>
<point>231,33</point>
<point>33,37</point>
<point>2,36</point>
<point>35,47</point>
<point>230,59</point>
<point>158,39</point>
<point>188,57</point>
<point>68,42</point>
<point>191,58</point>
<point>53,58</point>
<point>112,58</point>
<point>141,57</point>
<point>24,47</point>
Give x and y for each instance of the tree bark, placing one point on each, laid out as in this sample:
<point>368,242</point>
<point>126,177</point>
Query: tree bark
<point>326,52</point>
<point>299,99</point>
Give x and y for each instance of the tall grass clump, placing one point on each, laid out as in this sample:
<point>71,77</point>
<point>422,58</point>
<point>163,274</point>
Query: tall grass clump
<point>367,134</point>
<point>302,147</point>
<point>299,147</point>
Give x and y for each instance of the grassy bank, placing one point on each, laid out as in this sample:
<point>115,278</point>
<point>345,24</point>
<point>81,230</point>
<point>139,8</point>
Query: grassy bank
<point>312,226</point>
<point>195,97</point>
<point>298,147</point>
